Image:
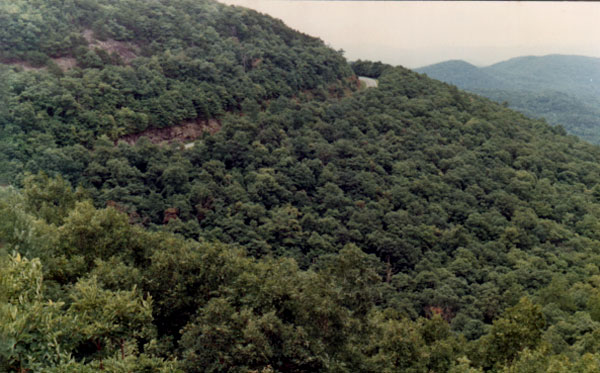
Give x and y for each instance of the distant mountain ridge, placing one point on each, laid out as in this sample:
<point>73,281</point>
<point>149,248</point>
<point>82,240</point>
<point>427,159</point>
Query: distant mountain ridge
<point>572,73</point>
<point>563,89</point>
<point>462,73</point>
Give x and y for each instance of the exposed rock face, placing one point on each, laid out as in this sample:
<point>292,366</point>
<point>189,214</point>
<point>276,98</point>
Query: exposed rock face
<point>185,132</point>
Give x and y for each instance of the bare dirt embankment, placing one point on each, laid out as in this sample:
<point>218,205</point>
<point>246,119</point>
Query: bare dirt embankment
<point>185,132</point>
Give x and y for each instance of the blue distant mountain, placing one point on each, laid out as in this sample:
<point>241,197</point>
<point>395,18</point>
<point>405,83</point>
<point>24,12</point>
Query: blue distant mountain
<point>562,89</point>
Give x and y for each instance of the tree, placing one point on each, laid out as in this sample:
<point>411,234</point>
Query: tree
<point>34,332</point>
<point>38,334</point>
<point>48,198</point>
<point>519,327</point>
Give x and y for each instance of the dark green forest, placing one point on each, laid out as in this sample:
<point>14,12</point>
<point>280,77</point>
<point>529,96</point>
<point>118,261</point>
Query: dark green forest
<point>563,89</point>
<point>318,227</point>
<point>168,63</point>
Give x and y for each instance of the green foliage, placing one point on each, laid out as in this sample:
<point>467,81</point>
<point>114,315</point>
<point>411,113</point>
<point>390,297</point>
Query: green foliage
<point>561,89</point>
<point>208,59</point>
<point>468,205</point>
<point>403,345</point>
<point>19,230</point>
<point>368,68</point>
<point>41,335</point>
<point>32,330</point>
<point>537,361</point>
<point>411,227</point>
<point>50,199</point>
<point>519,327</point>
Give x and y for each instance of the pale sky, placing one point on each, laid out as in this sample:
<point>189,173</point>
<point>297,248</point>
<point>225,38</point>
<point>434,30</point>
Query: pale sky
<point>415,34</point>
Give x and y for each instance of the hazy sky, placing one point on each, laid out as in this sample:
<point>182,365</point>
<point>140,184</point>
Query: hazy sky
<point>414,34</point>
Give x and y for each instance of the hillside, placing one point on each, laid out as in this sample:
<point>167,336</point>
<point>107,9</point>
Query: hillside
<point>410,227</point>
<point>577,75</point>
<point>562,89</point>
<point>124,77</point>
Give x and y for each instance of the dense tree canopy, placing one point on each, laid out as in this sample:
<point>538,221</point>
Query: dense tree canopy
<point>411,227</point>
<point>120,67</point>
<point>565,90</point>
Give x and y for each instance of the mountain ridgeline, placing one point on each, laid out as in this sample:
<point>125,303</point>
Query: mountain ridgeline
<point>564,90</point>
<point>74,71</point>
<point>317,227</point>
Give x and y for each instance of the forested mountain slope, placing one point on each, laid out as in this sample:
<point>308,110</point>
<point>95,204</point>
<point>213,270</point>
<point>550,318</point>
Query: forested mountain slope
<point>577,75</point>
<point>411,227</point>
<point>562,89</point>
<point>135,65</point>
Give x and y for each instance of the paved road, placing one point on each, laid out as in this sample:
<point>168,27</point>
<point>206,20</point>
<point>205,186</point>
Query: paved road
<point>369,82</point>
